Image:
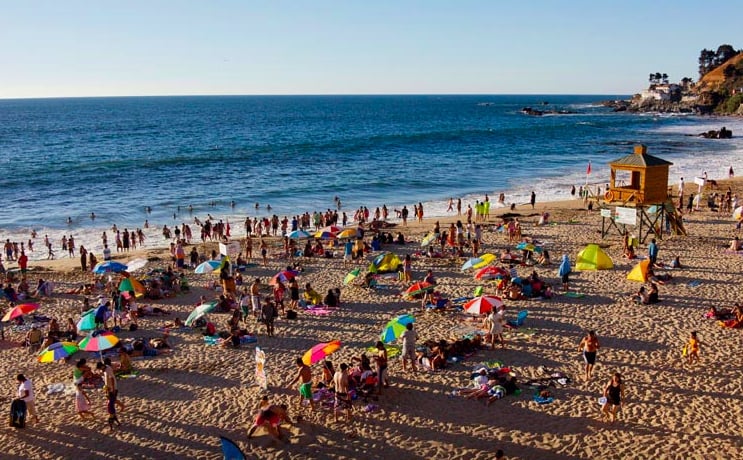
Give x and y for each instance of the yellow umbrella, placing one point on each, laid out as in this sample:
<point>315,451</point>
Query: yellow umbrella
<point>348,233</point>
<point>485,259</point>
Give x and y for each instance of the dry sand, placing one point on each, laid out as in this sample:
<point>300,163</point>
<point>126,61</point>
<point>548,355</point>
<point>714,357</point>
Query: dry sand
<point>182,401</point>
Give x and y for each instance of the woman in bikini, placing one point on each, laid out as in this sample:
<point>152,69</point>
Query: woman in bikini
<point>614,394</point>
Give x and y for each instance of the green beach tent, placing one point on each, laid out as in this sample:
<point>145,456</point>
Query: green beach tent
<point>592,257</point>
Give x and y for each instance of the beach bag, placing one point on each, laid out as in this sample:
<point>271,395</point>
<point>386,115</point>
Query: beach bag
<point>291,314</point>
<point>18,413</point>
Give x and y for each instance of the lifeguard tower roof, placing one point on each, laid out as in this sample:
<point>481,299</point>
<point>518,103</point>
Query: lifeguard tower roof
<point>641,160</point>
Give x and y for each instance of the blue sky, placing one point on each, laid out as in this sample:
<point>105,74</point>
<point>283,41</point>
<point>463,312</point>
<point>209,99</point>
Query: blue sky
<point>161,47</point>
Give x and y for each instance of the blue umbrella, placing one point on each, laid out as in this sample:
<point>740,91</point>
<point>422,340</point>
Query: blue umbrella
<point>299,234</point>
<point>109,266</point>
<point>395,328</point>
<point>208,266</point>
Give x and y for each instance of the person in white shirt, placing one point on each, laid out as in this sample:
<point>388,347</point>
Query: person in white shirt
<point>26,393</point>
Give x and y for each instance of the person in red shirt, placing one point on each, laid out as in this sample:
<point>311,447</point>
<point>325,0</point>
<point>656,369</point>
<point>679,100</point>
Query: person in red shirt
<point>23,262</point>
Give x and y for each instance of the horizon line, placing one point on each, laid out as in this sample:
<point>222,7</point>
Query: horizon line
<point>11,98</point>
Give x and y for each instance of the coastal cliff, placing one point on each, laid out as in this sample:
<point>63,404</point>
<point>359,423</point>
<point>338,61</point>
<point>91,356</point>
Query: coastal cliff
<point>718,91</point>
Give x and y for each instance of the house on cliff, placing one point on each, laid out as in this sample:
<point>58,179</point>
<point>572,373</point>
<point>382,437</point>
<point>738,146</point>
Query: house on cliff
<point>664,92</point>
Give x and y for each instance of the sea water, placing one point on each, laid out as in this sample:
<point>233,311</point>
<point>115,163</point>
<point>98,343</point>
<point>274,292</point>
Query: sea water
<point>67,158</point>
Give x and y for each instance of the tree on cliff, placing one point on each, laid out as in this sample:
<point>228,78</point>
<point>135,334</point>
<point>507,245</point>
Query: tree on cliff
<point>710,60</point>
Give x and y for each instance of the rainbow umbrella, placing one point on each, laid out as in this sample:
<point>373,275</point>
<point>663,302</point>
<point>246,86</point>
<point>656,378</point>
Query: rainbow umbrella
<point>130,284</point>
<point>208,267</point>
<point>483,304</point>
<point>57,351</point>
<point>491,272</point>
<point>324,235</point>
<point>109,266</point>
<point>299,234</point>
<point>348,233</point>
<point>320,352</point>
<point>200,311</point>
<point>20,310</point>
<point>98,341</point>
<point>395,328</point>
<point>352,275</point>
<point>419,288</point>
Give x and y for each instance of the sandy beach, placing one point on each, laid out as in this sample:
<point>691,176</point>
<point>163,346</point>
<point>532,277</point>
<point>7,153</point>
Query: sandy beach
<point>183,400</point>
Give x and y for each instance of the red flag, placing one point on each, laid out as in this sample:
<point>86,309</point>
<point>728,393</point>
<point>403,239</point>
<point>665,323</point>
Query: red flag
<point>588,170</point>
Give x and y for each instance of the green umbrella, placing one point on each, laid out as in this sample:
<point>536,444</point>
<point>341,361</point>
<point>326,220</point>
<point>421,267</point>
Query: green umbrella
<point>352,275</point>
<point>200,311</point>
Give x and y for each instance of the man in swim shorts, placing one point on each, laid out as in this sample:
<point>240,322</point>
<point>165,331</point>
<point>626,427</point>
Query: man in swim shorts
<point>304,377</point>
<point>589,346</point>
<point>255,296</point>
<point>271,418</point>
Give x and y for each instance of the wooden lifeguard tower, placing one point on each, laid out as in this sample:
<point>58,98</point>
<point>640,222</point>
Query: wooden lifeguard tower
<point>640,181</point>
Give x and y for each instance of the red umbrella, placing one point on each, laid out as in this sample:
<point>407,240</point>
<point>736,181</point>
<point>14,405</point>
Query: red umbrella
<point>331,229</point>
<point>419,288</point>
<point>483,304</point>
<point>491,272</point>
<point>283,276</point>
<point>20,310</point>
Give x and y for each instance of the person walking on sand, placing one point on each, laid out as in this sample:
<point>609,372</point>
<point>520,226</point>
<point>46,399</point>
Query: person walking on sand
<point>304,377</point>
<point>26,394</point>
<point>342,397</point>
<point>614,397</point>
<point>589,346</point>
<point>692,348</point>
<point>653,252</point>
<point>82,402</point>
<point>408,346</point>
<point>533,199</point>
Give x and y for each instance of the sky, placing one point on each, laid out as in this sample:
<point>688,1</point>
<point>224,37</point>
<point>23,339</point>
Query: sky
<point>161,47</point>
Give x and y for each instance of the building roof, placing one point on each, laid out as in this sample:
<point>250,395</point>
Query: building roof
<point>640,159</point>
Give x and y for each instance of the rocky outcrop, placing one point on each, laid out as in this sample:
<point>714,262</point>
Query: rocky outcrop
<point>723,133</point>
<point>539,113</point>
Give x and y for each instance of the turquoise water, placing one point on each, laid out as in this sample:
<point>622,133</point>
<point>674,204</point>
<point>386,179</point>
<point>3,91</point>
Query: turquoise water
<point>113,156</point>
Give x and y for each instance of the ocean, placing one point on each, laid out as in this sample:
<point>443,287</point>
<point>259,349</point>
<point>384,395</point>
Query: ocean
<point>66,158</point>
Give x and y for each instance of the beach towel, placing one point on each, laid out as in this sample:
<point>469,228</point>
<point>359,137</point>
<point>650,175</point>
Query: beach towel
<point>574,295</point>
<point>542,399</point>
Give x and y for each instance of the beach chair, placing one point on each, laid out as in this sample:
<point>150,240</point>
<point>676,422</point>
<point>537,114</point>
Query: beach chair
<point>520,319</point>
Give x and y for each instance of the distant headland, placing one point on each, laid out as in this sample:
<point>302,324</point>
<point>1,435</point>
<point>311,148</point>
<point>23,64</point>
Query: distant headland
<point>718,91</point>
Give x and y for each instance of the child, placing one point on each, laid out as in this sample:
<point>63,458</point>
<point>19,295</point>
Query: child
<point>82,402</point>
<point>692,348</point>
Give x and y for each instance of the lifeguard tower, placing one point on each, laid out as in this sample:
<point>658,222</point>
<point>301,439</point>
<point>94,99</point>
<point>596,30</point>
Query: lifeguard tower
<point>639,190</point>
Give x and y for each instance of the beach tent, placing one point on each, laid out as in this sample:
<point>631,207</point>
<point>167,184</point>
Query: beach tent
<point>640,272</point>
<point>592,257</point>
<point>383,263</point>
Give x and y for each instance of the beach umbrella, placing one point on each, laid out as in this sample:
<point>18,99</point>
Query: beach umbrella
<point>419,288</point>
<point>20,310</point>
<point>136,264</point>
<point>738,212</point>
<point>395,327</point>
<point>200,311</point>
<point>478,262</point>
<point>87,321</point>
<point>208,267</point>
<point>324,235</point>
<point>491,272</point>
<point>57,351</point>
<point>283,276</point>
<point>131,284</point>
<point>320,352</point>
<point>428,239</point>
<point>352,275</point>
<point>348,233</point>
<point>298,235</point>
<point>99,341</point>
<point>109,266</point>
<point>331,229</point>
<point>483,304</point>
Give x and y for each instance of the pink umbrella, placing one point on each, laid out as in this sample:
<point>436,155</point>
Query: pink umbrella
<point>491,272</point>
<point>320,352</point>
<point>483,304</point>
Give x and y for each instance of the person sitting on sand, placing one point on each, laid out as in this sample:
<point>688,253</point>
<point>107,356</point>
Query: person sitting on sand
<point>676,263</point>
<point>311,296</point>
<point>629,253</point>
<point>721,314</point>
<point>544,258</point>
<point>658,278</point>
<point>641,296</point>
<point>125,363</point>
<point>271,418</point>
<point>735,244</point>
<point>653,293</point>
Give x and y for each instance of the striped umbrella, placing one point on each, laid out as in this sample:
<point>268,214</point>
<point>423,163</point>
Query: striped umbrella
<point>320,352</point>
<point>99,341</point>
<point>395,328</point>
<point>109,266</point>
<point>483,304</point>
<point>57,351</point>
<point>20,310</point>
<point>208,267</point>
